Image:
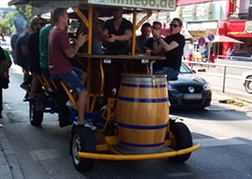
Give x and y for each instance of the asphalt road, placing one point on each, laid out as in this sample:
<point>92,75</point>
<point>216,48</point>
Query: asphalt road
<point>223,130</point>
<point>231,84</point>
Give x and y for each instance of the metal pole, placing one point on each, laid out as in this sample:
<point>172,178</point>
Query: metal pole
<point>224,79</point>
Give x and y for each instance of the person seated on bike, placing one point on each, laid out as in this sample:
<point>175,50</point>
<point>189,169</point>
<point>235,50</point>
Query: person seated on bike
<point>117,33</point>
<point>60,54</point>
<point>142,39</point>
<point>96,33</point>
<point>32,44</point>
<point>43,49</point>
<point>152,43</point>
<point>22,60</point>
<point>174,48</point>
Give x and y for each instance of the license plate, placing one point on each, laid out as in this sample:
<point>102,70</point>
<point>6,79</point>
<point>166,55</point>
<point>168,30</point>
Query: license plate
<point>192,96</point>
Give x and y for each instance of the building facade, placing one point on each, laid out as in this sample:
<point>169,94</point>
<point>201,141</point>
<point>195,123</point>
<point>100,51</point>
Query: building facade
<point>218,17</point>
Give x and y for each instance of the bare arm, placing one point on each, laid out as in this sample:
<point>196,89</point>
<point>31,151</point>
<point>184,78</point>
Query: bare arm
<point>157,47</point>
<point>125,37</point>
<point>112,38</point>
<point>79,42</point>
<point>166,47</point>
<point>104,34</point>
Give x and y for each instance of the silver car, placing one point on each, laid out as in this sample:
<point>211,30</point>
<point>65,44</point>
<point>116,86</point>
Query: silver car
<point>247,81</point>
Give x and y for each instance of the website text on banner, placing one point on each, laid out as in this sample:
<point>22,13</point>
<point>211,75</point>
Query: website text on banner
<point>169,5</point>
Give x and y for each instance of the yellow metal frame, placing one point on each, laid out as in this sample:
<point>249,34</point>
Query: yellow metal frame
<point>70,96</point>
<point>137,156</point>
<point>88,22</point>
<point>109,113</point>
<point>113,140</point>
<point>107,143</point>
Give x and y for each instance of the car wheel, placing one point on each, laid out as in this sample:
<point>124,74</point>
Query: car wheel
<point>182,139</point>
<point>248,84</point>
<point>82,140</point>
<point>36,117</point>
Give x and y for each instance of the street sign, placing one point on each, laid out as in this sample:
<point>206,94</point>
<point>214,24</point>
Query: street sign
<point>201,41</point>
<point>210,37</point>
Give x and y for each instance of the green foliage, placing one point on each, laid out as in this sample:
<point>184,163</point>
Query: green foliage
<point>6,23</point>
<point>25,11</point>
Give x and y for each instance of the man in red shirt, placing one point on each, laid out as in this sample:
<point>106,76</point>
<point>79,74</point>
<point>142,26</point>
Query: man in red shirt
<point>60,54</point>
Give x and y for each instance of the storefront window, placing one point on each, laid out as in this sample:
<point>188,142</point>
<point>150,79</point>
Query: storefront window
<point>187,13</point>
<point>202,11</point>
<point>218,10</point>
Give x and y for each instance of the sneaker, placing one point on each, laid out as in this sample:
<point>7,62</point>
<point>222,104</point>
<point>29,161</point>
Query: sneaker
<point>70,104</point>
<point>86,124</point>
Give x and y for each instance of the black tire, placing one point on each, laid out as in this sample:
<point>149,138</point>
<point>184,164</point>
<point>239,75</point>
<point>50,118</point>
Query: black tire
<point>182,140</point>
<point>204,59</point>
<point>82,140</point>
<point>248,84</point>
<point>36,117</point>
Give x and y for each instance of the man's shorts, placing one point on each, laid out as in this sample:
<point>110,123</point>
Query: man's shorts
<point>72,79</point>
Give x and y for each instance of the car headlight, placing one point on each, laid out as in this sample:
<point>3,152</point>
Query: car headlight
<point>206,86</point>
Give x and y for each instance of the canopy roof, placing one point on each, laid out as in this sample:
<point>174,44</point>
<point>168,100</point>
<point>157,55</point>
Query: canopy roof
<point>44,6</point>
<point>223,38</point>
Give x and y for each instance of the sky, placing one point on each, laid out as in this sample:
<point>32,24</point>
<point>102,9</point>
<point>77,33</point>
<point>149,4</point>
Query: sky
<point>4,3</point>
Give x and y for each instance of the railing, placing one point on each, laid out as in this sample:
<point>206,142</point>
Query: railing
<point>223,72</point>
<point>235,58</point>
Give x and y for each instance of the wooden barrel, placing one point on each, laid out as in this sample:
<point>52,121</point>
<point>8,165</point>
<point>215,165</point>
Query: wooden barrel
<point>142,111</point>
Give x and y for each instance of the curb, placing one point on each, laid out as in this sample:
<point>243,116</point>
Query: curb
<point>9,167</point>
<point>222,97</point>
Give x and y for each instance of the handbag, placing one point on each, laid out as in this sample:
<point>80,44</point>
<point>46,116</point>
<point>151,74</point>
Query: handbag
<point>4,82</point>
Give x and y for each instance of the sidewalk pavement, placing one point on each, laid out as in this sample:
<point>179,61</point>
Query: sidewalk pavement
<point>9,167</point>
<point>5,172</point>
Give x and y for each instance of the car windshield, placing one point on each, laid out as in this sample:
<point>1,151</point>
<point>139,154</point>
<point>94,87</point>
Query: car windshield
<point>184,69</point>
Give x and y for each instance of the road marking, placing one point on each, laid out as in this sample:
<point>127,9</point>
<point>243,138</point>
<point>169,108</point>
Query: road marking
<point>213,142</point>
<point>7,106</point>
<point>45,154</point>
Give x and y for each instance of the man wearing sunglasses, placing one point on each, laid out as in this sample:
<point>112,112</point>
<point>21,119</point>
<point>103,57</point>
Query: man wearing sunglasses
<point>173,46</point>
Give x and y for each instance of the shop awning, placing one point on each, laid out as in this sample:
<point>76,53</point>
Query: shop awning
<point>237,29</point>
<point>239,35</point>
<point>201,33</point>
<point>223,38</point>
